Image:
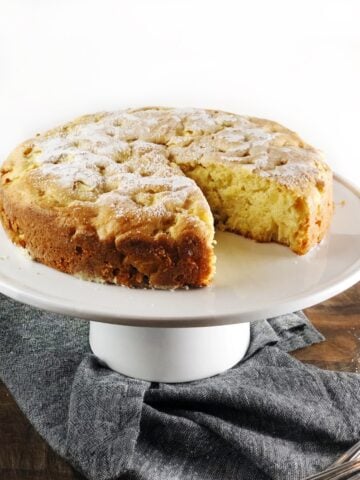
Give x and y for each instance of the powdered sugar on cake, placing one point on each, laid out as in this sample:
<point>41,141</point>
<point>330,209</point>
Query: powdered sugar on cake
<point>141,150</point>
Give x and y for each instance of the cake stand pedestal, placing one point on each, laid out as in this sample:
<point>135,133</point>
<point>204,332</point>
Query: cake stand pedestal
<point>183,335</point>
<point>169,354</point>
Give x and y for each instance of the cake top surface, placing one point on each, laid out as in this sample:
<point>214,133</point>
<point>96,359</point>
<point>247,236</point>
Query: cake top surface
<point>131,158</point>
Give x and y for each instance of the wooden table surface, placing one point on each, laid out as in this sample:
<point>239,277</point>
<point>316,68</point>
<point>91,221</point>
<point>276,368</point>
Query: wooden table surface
<point>25,456</point>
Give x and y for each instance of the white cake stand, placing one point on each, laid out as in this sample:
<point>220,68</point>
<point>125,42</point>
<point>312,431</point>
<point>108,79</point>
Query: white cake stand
<point>186,335</point>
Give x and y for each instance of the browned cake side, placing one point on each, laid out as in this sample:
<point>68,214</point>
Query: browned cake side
<point>69,243</point>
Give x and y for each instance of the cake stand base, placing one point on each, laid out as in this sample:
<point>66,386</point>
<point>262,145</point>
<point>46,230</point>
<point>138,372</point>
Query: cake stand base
<point>169,354</point>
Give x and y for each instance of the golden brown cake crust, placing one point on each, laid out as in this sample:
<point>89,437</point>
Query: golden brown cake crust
<point>105,196</point>
<point>138,261</point>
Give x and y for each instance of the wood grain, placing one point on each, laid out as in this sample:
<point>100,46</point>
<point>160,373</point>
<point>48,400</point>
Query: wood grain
<point>338,320</point>
<point>25,456</point>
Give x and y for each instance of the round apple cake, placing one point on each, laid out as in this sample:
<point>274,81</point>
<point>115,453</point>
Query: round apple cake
<point>131,197</point>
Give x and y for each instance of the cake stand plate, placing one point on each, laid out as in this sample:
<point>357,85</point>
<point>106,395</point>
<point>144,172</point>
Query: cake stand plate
<point>199,332</point>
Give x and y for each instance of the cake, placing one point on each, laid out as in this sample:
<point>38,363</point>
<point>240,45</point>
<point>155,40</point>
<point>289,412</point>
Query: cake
<point>131,197</point>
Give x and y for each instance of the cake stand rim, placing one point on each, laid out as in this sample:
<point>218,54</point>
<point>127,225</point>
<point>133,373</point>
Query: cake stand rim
<point>333,287</point>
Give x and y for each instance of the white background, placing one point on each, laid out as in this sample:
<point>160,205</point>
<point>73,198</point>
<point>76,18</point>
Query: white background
<point>297,62</point>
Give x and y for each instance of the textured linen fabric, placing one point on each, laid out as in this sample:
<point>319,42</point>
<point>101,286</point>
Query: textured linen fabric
<point>269,417</point>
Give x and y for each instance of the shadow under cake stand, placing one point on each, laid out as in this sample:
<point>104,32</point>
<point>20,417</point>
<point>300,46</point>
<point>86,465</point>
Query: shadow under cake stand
<point>184,335</point>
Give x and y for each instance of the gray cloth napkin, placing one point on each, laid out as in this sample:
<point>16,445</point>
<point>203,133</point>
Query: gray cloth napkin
<point>269,417</point>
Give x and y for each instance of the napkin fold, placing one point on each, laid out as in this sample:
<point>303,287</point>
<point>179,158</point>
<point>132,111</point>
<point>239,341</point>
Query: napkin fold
<point>269,417</point>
